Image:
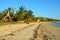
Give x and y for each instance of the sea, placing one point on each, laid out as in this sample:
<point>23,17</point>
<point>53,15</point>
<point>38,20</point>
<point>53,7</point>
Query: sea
<point>56,23</point>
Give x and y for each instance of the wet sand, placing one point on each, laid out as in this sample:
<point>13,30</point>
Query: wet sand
<point>55,30</point>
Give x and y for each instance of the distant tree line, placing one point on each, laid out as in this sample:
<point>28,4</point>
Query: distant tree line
<point>47,19</point>
<point>23,14</point>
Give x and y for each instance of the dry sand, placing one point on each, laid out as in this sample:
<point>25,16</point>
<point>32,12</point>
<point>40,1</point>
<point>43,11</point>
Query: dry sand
<point>32,31</point>
<point>24,33</point>
<point>7,29</point>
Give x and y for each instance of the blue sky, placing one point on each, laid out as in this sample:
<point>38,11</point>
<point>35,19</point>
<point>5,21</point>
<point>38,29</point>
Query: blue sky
<point>45,8</point>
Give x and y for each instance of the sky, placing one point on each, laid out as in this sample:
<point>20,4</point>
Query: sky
<point>45,8</point>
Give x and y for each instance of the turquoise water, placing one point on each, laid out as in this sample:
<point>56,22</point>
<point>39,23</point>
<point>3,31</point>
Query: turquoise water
<point>56,23</point>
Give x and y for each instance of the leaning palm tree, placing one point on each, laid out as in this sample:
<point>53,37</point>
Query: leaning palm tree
<point>8,15</point>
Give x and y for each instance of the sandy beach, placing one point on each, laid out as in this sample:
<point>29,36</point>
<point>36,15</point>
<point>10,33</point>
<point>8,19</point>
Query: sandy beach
<point>6,29</point>
<point>55,30</point>
<point>32,31</point>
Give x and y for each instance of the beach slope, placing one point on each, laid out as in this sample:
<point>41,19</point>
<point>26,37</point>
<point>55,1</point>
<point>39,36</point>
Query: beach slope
<point>35,31</point>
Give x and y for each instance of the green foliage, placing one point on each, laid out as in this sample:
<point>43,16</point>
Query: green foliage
<point>20,13</point>
<point>23,14</point>
<point>28,14</point>
<point>1,16</point>
<point>46,19</point>
<point>10,10</point>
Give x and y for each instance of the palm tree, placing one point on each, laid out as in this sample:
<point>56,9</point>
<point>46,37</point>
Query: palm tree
<point>20,13</point>
<point>8,14</point>
<point>29,16</point>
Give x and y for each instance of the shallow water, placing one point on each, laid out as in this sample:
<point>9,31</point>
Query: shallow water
<point>56,23</point>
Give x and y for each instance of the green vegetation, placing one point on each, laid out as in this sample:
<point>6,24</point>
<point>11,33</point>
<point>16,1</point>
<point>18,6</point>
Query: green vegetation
<point>47,19</point>
<point>21,15</point>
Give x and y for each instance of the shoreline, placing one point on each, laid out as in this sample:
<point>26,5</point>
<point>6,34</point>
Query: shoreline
<point>55,30</point>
